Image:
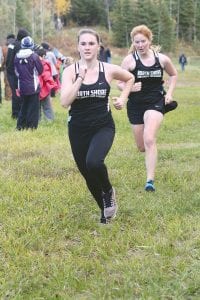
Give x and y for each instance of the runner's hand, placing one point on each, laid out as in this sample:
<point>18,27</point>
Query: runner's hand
<point>82,71</point>
<point>118,102</point>
<point>137,87</point>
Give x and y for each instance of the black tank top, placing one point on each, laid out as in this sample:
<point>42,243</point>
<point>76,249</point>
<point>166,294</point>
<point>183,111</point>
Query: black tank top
<point>91,106</point>
<point>152,81</point>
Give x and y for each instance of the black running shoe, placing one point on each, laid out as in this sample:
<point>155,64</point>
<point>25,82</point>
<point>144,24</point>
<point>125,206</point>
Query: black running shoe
<point>104,220</point>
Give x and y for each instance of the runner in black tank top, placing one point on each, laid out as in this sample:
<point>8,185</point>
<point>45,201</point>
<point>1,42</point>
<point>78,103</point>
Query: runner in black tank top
<point>151,95</point>
<point>91,107</point>
<point>91,134</point>
<point>148,101</point>
<point>90,123</point>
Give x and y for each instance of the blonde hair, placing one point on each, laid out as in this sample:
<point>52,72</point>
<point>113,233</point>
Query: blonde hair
<point>143,29</point>
<point>90,31</point>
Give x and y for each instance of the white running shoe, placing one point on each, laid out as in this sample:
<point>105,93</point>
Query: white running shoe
<point>110,204</point>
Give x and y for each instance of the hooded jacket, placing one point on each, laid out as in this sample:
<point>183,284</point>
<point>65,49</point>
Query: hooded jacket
<point>28,67</point>
<point>46,80</point>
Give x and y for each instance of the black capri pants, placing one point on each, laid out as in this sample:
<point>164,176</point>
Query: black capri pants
<point>90,147</point>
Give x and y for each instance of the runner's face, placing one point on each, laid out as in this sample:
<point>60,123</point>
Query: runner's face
<point>88,46</point>
<point>141,43</point>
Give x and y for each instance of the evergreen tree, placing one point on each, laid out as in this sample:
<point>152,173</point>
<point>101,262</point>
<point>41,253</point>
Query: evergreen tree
<point>22,15</point>
<point>197,21</point>
<point>186,20</point>
<point>122,24</point>
<point>143,12</point>
<point>166,36</point>
<point>6,24</point>
<point>118,25</point>
<point>155,15</point>
<point>87,12</point>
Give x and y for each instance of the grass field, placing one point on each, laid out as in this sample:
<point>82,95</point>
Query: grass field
<point>51,243</point>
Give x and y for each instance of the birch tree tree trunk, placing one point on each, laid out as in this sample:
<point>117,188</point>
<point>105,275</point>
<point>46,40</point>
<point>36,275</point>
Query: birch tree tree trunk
<point>108,14</point>
<point>178,19</point>
<point>42,19</point>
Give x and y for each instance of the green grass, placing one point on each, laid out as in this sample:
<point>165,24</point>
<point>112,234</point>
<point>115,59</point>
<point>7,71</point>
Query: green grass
<point>51,243</point>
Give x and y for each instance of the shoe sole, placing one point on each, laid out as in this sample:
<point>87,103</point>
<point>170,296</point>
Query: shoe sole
<point>149,189</point>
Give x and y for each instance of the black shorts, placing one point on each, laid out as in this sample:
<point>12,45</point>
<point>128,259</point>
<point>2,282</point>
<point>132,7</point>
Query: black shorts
<point>136,112</point>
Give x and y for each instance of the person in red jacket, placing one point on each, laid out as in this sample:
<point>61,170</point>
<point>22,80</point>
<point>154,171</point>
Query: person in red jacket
<point>47,83</point>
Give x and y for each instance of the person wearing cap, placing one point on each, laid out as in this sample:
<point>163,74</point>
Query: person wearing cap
<point>28,67</point>
<point>13,48</point>
<point>51,58</point>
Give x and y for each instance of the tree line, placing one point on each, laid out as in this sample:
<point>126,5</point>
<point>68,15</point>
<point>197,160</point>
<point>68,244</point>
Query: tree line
<point>170,20</point>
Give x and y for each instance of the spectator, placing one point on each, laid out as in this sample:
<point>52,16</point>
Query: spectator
<point>50,56</point>
<point>13,48</point>
<point>182,61</point>
<point>10,39</point>
<point>108,55</point>
<point>28,66</point>
<point>65,62</point>
<point>102,53</point>
<point>46,85</point>
<point>1,63</point>
<point>59,24</point>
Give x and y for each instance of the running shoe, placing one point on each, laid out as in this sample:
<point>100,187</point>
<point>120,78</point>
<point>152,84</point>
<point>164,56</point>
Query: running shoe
<point>149,186</point>
<point>110,204</point>
<point>104,220</point>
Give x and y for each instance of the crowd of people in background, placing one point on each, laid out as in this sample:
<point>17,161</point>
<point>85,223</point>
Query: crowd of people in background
<point>18,74</point>
<point>32,75</point>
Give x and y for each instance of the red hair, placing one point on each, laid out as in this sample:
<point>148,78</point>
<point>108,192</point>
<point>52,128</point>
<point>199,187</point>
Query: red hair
<point>144,30</point>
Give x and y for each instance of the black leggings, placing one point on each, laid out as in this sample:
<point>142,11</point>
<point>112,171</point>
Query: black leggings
<point>89,148</point>
<point>29,113</point>
<point>16,101</point>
